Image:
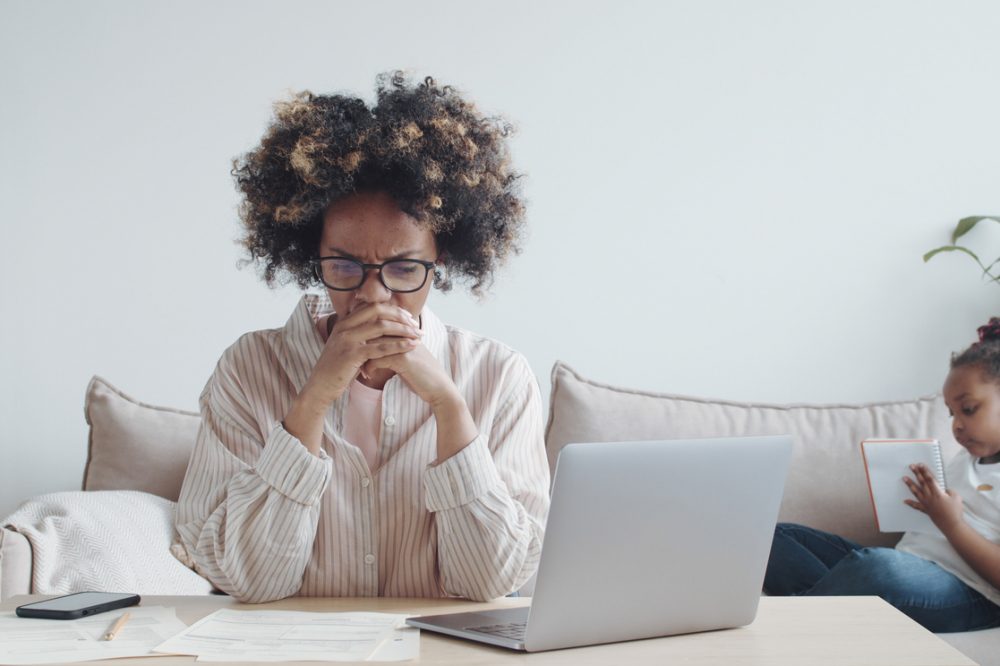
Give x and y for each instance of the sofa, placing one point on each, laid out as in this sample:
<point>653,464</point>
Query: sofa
<point>122,515</point>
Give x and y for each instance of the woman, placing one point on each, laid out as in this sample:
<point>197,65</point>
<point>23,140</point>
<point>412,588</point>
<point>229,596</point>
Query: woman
<point>366,448</point>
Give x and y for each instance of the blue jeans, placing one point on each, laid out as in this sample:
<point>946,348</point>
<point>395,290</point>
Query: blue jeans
<point>809,562</point>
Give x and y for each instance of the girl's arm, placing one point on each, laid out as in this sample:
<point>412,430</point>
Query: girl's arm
<point>944,507</point>
<point>979,552</point>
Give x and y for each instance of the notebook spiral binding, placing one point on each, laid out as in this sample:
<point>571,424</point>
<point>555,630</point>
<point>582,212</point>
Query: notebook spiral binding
<point>939,467</point>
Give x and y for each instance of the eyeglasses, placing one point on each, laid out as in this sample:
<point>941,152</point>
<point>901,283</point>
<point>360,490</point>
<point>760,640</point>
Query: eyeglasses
<point>399,275</point>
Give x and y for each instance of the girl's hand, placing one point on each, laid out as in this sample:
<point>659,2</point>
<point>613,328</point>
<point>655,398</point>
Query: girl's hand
<point>943,507</point>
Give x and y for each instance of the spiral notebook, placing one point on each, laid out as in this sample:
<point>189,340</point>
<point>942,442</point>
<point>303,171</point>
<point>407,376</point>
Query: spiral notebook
<point>887,461</point>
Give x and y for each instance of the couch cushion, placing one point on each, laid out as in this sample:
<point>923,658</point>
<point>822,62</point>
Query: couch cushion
<point>15,564</point>
<point>826,485</point>
<point>135,446</point>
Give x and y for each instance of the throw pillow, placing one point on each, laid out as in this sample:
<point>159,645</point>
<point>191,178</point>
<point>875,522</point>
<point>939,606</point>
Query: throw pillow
<point>135,446</point>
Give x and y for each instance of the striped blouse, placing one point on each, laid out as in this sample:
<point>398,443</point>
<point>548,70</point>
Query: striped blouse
<point>264,519</point>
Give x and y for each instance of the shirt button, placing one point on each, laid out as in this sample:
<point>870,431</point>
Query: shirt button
<point>365,482</point>
<point>390,420</point>
<point>369,559</point>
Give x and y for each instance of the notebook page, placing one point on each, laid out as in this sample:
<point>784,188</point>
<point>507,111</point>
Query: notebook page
<point>886,463</point>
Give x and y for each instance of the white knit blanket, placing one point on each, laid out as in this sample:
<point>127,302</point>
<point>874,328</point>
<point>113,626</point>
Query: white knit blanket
<point>110,540</point>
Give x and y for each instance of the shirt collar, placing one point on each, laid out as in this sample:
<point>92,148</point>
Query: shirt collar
<point>302,342</point>
<point>435,337</point>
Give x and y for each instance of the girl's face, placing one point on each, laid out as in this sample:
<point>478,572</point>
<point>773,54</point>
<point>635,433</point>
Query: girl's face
<point>974,402</point>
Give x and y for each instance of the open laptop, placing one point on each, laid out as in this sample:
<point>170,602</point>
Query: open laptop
<point>645,539</point>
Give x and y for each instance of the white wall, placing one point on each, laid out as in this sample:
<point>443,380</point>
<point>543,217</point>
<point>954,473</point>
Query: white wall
<point>728,199</point>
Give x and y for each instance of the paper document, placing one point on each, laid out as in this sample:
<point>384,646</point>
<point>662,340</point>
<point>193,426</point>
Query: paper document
<point>236,635</point>
<point>35,641</point>
<point>887,461</point>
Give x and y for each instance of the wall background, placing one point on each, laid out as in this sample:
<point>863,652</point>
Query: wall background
<point>727,199</point>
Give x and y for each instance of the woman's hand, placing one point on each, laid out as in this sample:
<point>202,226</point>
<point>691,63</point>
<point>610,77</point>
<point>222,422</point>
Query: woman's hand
<point>371,332</point>
<point>943,507</point>
<point>424,375</point>
<point>419,369</point>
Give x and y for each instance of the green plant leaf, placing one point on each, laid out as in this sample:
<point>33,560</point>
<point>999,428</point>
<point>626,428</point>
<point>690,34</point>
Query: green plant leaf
<point>950,248</point>
<point>966,224</point>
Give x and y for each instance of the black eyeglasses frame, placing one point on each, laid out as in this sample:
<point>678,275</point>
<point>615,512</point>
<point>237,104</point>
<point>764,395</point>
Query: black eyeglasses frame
<point>318,270</point>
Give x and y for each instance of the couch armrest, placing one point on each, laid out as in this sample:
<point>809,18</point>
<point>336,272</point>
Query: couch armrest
<point>15,564</point>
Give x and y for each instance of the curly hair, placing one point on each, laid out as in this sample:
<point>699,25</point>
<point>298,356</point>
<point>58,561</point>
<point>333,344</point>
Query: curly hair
<point>443,162</point>
<point>984,354</point>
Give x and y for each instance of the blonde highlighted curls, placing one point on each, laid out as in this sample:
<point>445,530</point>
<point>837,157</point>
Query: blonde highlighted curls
<point>443,162</point>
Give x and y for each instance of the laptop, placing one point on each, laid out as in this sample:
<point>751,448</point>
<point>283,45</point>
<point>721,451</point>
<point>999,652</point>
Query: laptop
<point>644,539</point>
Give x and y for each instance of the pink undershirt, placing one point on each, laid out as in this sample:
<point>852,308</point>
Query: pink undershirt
<point>362,420</point>
<point>364,413</point>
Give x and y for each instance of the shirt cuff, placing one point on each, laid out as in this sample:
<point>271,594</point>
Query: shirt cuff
<point>288,467</point>
<point>462,478</point>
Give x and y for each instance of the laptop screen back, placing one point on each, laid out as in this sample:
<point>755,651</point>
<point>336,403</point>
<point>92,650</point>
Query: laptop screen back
<point>655,538</point>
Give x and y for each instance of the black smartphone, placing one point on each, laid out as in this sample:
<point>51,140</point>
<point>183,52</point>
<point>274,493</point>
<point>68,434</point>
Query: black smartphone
<point>73,606</point>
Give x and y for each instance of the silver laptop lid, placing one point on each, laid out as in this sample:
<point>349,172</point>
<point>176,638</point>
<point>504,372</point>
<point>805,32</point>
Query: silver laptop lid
<point>655,538</point>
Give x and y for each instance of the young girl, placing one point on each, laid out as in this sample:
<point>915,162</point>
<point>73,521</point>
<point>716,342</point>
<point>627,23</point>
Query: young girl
<point>948,581</point>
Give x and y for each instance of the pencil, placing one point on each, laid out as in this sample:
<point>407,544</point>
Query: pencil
<point>117,626</point>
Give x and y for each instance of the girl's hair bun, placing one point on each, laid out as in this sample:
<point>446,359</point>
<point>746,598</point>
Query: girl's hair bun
<point>990,331</point>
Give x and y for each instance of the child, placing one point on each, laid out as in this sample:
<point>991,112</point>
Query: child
<point>946,583</point>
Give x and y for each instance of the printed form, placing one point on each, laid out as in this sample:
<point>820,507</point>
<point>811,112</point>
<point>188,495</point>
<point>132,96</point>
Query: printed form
<point>237,635</point>
<point>26,640</point>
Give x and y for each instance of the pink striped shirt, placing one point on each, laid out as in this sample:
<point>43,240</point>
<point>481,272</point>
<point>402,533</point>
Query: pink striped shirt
<point>264,519</point>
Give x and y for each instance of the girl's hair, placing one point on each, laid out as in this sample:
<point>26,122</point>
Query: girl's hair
<point>985,353</point>
<point>443,162</point>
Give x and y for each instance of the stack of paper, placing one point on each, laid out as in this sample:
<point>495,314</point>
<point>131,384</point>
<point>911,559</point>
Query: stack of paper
<point>33,641</point>
<point>225,635</point>
<point>234,635</point>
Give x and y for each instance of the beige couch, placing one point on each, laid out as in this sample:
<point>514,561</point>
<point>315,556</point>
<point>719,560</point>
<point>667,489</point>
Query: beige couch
<point>825,488</point>
<point>826,485</point>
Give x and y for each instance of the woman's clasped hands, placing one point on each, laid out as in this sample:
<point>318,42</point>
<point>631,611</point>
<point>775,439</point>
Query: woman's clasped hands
<point>368,333</point>
<point>374,342</point>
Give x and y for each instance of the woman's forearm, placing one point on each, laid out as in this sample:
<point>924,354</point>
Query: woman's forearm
<point>251,529</point>
<point>455,426</point>
<point>305,418</point>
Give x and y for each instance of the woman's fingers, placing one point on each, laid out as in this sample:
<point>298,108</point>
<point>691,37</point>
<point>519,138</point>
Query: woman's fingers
<point>388,346</point>
<point>365,326</point>
<point>382,328</point>
<point>374,312</point>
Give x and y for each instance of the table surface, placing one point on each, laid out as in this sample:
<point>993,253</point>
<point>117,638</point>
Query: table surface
<point>788,630</point>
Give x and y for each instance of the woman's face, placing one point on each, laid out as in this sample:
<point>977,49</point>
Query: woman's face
<point>370,228</point>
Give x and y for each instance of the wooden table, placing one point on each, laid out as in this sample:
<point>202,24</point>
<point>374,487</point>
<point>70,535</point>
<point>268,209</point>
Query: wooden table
<point>817,631</point>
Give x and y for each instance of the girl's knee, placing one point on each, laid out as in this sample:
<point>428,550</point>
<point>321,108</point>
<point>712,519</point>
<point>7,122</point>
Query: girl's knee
<point>872,559</point>
<point>874,554</point>
<point>880,571</point>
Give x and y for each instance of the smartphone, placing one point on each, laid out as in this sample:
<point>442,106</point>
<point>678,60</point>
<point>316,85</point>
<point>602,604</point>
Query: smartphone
<point>73,606</point>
